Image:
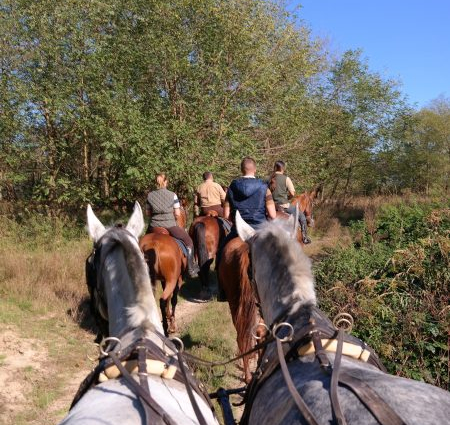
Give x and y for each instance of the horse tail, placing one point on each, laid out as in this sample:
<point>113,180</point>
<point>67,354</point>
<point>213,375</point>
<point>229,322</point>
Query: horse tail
<point>246,313</point>
<point>200,238</point>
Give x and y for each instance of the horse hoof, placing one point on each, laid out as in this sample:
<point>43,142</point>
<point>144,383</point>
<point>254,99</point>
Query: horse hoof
<point>204,295</point>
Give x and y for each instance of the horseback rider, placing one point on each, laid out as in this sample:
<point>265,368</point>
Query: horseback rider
<point>251,197</point>
<point>163,206</point>
<point>282,190</point>
<point>209,196</point>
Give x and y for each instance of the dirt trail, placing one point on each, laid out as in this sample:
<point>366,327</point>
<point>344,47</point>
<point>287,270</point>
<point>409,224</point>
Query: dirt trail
<point>20,362</point>
<point>25,362</point>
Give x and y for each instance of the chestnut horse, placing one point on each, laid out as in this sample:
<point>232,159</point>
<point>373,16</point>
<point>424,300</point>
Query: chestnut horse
<point>166,263</point>
<point>305,205</point>
<point>206,233</point>
<point>233,276</point>
<point>234,280</point>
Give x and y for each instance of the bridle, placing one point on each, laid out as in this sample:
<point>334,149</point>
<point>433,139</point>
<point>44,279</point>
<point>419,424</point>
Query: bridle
<point>142,352</point>
<point>314,338</point>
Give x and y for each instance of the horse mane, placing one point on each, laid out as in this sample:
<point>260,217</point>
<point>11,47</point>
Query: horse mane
<point>247,309</point>
<point>139,313</point>
<point>285,264</point>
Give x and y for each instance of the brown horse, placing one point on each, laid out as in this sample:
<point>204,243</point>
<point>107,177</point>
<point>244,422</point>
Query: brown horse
<point>234,280</point>
<point>233,275</point>
<point>305,205</point>
<point>166,264</point>
<point>207,234</point>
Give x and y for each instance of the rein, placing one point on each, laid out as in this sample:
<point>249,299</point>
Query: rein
<point>381,411</point>
<point>141,351</point>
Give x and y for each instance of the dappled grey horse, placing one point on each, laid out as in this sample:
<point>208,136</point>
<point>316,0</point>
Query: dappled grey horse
<point>316,376</point>
<point>140,377</point>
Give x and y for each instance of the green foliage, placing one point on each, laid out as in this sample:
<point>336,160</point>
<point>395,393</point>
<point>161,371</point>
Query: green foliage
<point>38,231</point>
<point>94,101</point>
<point>395,281</point>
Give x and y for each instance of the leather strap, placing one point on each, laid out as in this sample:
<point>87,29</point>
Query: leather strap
<point>155,414</point>
<point>302,406</point>
<point>381,410</point>
<point>320,352</point>
<point>197,410</point>
<point>143,381</point>
<point>336,407</point>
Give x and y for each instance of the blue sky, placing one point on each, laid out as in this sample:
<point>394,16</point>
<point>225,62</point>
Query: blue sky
<point>408,40</point>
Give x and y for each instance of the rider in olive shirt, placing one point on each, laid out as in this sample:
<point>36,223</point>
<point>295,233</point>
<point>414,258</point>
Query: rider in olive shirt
<point>282,190</point>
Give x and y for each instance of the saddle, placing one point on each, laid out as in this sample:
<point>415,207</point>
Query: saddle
<point>163,231</point>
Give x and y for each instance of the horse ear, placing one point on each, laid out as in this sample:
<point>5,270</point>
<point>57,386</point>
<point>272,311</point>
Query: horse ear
<point>245,231</point>
<point>136,222</point>
<point>95,228</point>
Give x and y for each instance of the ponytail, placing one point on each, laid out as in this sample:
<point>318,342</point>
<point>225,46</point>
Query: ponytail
<point>279,166</point>
<point>160,180</point>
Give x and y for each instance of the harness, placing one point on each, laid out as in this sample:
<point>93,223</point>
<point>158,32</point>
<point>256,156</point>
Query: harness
<point>142,356</point>
<point>317,336</point>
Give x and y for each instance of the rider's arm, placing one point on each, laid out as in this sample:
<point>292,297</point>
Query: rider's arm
<point>176,207</point>
<point>290,187</point>
<point>226,209</point>
<point>222,195</point>
<point>270,205</point>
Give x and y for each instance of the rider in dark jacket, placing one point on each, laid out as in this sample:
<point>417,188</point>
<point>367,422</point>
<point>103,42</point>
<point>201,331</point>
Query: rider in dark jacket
<point>251,197</point>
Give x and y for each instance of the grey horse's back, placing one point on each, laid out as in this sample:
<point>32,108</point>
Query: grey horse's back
<point>113,403</point>
<point>415,402</point>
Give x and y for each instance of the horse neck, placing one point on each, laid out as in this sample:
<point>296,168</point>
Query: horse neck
<point>304,203</point>
<point>283,276</point>
<point>124,310</point>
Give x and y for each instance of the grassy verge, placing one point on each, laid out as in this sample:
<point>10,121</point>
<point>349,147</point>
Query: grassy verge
<point>212,337</point>
<point>393,277</point>
<point>42,305</point>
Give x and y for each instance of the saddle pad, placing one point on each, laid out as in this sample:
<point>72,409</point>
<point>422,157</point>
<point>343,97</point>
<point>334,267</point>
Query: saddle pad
<point>183,247</point>
<point>225,224</point>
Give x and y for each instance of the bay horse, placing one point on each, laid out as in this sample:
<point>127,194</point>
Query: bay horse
<point>207,234</point>
<point>233,278</point>
<point>311,372</point>
<point>141,377</point>
<point>166,264</point>
<point>304,202</point>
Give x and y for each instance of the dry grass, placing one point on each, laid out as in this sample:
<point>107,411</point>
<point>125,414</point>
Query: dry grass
<point>50,279</point>
<point>42,305</point>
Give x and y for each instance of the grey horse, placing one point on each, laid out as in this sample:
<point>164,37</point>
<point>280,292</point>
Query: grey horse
<point>131,313</point>
<point>284,283</point>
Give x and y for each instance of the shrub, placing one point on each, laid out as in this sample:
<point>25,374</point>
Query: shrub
<point>394,279</point>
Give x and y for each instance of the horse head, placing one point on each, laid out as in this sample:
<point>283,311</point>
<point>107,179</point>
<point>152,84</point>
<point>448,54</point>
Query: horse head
<point>277,257</point>
<point>121,275</point>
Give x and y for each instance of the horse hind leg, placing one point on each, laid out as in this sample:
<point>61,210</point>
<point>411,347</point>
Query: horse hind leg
<point>173,302</point>
<point>166,301</point>
<point>205,292</point>
<point>163,306</point>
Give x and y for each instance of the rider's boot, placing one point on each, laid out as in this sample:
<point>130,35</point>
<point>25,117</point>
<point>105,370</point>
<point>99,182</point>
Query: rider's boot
<point>192,267</point>
<point>306,240</point>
